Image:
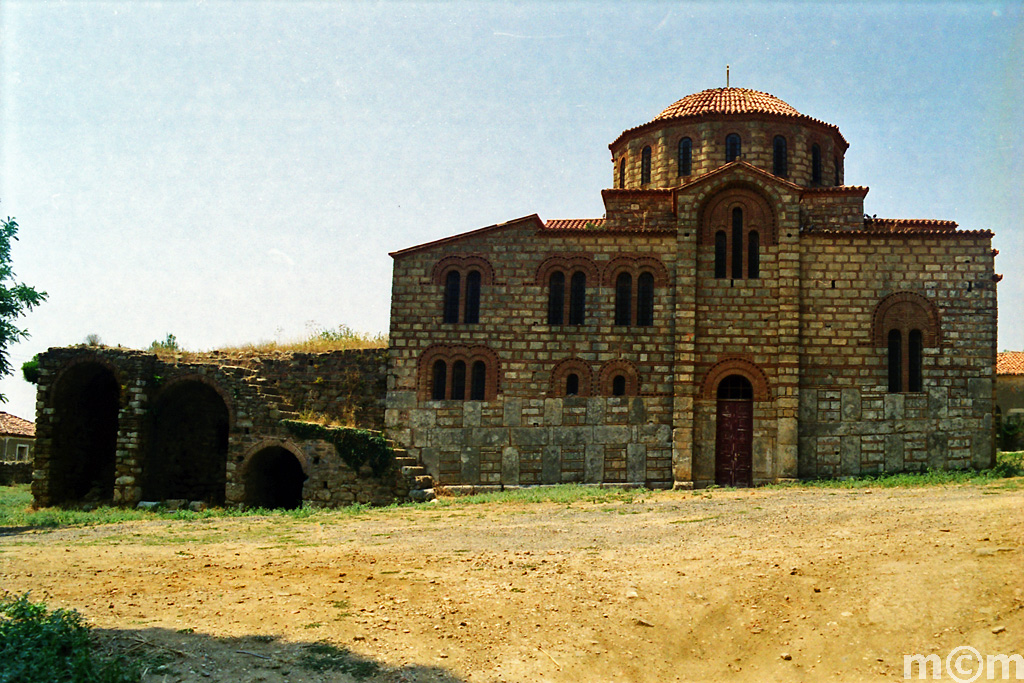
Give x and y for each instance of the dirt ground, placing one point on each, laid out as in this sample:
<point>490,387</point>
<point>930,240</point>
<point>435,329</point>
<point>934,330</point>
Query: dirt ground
<point>758,585</point>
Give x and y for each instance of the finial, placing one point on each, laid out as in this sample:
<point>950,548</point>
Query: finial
<point>726,75</point>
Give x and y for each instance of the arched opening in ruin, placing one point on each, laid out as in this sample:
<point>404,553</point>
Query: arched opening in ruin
<point>274,479</point>
<point>85,400</point>
<point>188,445</point>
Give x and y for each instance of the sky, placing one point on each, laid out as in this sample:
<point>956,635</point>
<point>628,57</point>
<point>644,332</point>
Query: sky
<point>232,172</point>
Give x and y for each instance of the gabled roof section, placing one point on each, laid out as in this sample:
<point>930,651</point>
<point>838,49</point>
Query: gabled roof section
<point>908,225</point>
<point>574,224</point>
<point>11,425</point>
<point>738,165</point>
<point>532,218</point>
<point>1010,363</point>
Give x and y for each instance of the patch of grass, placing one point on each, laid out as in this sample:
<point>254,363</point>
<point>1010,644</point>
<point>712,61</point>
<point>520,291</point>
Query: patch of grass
<point>328,657</point>
<point>37,644</point>
<point>565,494</point>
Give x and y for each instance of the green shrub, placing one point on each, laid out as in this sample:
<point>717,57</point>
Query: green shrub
<point>41,646</point>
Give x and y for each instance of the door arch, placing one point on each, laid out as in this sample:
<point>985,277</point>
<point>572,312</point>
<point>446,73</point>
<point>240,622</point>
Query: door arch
<point>734,432</point>
<point>274,479</point>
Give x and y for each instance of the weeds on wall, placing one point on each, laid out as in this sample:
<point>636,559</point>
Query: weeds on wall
<point>356,447</point>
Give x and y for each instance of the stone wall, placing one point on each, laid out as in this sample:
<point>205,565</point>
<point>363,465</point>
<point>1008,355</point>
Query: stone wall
<point>125,426</point>
<point>15,473</point>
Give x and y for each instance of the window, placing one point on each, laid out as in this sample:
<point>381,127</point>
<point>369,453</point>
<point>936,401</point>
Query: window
<point>459,373</point>
<point>572,384</point>
<point>815,164</point>
<point>735,388</point>
<point>622,172</point>
<point>556,298</point>
<point>905,323</point>
<point>645,166</point>
<point>578,298</point>
<point>21,452</point>
<point>753,254</point>
<point>721,249</point>
<point>619,378</point>
<point>779,165</point>
<point>570,377</point>
<point>737,243</point>
<point>732,147</point>
<point>685,161</point>
<point>462,279</point>
<point>738,224</point>
<point>619,385</point>
<point>623,299</point>
<point>645,299</point>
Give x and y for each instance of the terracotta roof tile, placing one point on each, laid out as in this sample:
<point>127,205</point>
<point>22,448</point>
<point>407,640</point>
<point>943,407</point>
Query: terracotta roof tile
<point>727,101</point>
<point>15,426</point>
<point>573,223</point>
<point>908,225</point>
<point>1010,363</point>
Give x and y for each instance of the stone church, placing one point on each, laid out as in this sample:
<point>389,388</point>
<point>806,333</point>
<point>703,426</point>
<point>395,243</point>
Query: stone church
<point>734,318</point>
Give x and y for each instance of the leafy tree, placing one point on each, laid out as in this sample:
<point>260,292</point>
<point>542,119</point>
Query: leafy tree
<point>16,298</point>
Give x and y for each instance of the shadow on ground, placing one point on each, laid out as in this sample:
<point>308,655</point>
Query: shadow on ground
<point>187,657</point>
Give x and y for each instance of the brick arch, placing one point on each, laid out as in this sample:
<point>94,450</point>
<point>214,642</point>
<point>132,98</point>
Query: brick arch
<point>906,311</point>
<point>463,264</point>
<point>609,370</point>
<point>634,264</point>
<point>736,366</point>
<point>759,214</point>
<point>263,444</point>
<point>451,353</point>
<point>568,263</point>
<point>202,379</point>
<point>93,358</point>
<point>563,369</point>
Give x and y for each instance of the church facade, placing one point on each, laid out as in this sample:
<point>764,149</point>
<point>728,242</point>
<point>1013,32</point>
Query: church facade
<point>734,318</point>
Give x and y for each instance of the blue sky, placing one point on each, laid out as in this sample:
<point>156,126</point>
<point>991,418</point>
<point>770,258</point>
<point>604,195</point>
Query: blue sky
<point>235,171</point>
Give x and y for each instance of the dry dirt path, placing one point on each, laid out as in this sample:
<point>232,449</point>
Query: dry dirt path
<point>761,585</point>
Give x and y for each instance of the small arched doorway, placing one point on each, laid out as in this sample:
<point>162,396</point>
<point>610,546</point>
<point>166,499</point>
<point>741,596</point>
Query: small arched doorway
<point>85,402</point>
<point>274,479</point>
<point>734,432</point>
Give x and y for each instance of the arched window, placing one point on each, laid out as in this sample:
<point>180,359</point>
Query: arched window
<point>753,254</point>
<point>472,314</point>
<point>645,299</point>
<point>618,378</point>
<point>895,362</point>
<point>735,388</point>
<point>623,299</point>
<point>577,298</point>
<point>570,377</point>
<point>779,164</point>
<point>458,380</point>
<point>572,384</point>
<point>438,382</point>
<point>815,164</point>
<point>478,381</point>
<point>914,370</point>
<point>452,288</point>
<point>645,166</point>
<point>732,147</point>
<point>685,161</point>
<point>905,323</point>
<point>619,385</point>
<point>737,243</point>
<point>622,172</point>
<point>556,298</point>
<point>721,251</point>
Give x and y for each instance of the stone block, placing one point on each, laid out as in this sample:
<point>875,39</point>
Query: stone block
<point>512,412</point>
<point>595,411</point>
<point>510,465</point>
<point>487,437</point>
<point>637,411</point>
<point>850,404</point>
<point>938,402</point>
<point>938,449</point>
<point>470,459</point>
<point>551,465</point>
<point>529,436</point>
<point>615,435</point>
<point>979,388</point>
<point>894,406</point>
<point>571,436</point>
<point>593,464</point>
<point>636,463</point>
<point>471,414</point>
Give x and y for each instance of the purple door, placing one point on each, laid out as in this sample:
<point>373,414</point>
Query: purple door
<point>734,442</point>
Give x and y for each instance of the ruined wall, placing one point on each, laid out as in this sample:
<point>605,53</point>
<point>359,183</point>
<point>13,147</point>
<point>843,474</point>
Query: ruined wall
<point>850,423</point>
<point>123,426</point>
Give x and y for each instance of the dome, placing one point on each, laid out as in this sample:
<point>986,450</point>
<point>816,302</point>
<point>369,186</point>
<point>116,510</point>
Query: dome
<point>727,101</point>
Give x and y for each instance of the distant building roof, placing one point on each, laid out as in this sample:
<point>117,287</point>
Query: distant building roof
<point>1010,363</point>
<point>15,426</point>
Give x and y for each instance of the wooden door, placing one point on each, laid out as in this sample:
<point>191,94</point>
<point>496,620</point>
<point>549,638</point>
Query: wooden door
<point>734,442</point>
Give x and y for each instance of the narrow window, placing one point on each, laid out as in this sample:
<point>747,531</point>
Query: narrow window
<point>645,299</point>
<point>914,348</point>
<point>440,377</point>
<point>622,172</point>
<point>452,284</point>
<point>815,164</point>
<point>779,165</point>
<point>721,247</point>
<point>753,254</point>
<point>685,157</point>
<point>737,243</point>
<point>732,147</point>
<point>478,381</point>
<point>619,385</point>
<point>556,298</point>
<point>623,298</point>
<point>472,316</point>
<point>572,384</point>
<point>459,381</point>
<point>895,358</point>
<point>577,298</point>
<point>645,166</point>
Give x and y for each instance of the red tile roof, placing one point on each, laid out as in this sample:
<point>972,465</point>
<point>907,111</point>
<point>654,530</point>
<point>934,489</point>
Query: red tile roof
<point>727,101</point>
<point>1010,363</point>
<point>15,426</point>
<point>908,225</point>
<point>573,223</point>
